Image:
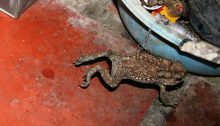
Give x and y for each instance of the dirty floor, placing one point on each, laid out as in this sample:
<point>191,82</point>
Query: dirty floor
<point>39,83</point>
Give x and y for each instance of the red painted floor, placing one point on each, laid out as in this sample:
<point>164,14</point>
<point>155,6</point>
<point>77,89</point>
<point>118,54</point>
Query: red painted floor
<point>39,83</point>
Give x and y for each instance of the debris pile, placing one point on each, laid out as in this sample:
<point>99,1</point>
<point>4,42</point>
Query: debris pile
<point>171,13</point>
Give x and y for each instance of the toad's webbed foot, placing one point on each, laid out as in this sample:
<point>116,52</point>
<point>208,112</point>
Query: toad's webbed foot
<point>110,81</point>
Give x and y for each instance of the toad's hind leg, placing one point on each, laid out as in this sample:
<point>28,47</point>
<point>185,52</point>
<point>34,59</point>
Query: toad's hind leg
<point>111,80</point>
<point>83,59</point>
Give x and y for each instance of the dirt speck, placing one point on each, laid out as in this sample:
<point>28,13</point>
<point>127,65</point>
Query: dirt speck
<point>48,73</point>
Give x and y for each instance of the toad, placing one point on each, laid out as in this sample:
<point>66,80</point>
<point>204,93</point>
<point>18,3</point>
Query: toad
<point>141,67</point>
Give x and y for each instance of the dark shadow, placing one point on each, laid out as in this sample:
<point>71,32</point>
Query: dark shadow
<point>140,85</point>
<point>104,83</point>
<point>174,87</point>
<point>115,3</point>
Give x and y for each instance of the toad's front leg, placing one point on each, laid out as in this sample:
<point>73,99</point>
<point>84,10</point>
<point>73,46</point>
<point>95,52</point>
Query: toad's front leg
<point>112,81</point>
<point>88,58</point>
<point>163,96</point>
<point>168,98</point>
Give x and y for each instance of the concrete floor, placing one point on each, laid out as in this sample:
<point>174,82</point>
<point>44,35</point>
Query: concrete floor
<point>39,83</point>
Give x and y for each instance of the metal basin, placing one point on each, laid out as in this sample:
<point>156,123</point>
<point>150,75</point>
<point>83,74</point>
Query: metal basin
<point>162,43</point>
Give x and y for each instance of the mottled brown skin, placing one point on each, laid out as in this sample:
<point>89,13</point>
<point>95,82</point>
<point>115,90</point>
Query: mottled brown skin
<point>140,67</point>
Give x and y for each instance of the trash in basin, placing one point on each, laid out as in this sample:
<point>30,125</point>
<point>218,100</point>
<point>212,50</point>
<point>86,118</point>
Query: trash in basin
<point>166,40</point>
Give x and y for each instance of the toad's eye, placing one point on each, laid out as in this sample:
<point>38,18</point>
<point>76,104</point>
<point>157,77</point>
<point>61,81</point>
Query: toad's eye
<point>178,77</point>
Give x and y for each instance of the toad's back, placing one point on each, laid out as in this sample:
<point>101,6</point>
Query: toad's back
<point>145,67</point>
<point>140,65</point>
